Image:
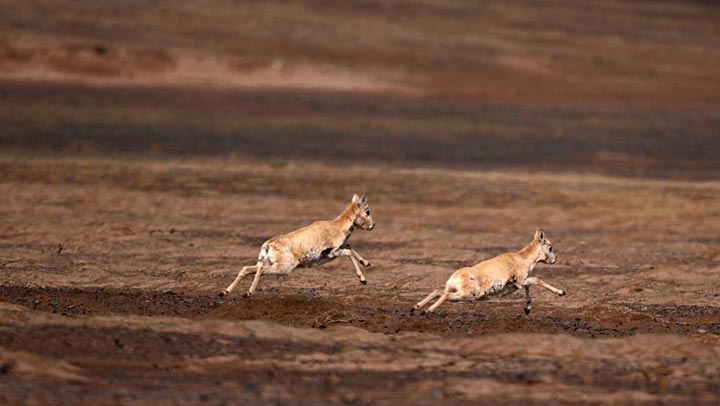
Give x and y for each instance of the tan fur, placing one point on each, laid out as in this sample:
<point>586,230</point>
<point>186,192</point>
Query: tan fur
<point>498,276</point>
<point>320,242</point>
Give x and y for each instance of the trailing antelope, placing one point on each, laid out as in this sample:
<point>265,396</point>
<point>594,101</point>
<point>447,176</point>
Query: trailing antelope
<point>316,244</point>
<point>498,276</point>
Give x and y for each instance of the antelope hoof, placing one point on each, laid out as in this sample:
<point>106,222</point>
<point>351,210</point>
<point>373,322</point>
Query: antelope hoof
<point>527,310</point>
<point>223,293</point>
<point>363,281</point>
<point>562,293</point>
<point>247,294</point>
<point>366,263</point>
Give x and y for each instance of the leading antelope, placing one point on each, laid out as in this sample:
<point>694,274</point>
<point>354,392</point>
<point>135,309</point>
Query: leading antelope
<point>498,276</point>
<point>316,244</point>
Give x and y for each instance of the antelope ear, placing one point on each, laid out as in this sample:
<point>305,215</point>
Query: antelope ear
<point>540,235</point>
<point>355,199</point>
<point>363,199</point>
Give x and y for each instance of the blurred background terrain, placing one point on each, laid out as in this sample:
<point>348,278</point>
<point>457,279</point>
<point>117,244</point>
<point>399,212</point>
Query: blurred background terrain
<point>628,88</point>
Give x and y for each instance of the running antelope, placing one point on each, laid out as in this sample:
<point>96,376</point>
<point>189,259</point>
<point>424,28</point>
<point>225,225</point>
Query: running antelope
<point>498,276</point>
<point>316,244</point>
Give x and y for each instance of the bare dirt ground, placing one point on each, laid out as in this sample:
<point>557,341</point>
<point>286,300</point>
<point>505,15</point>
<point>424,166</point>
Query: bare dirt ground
<point>148,150</point>
<point>111,272</point>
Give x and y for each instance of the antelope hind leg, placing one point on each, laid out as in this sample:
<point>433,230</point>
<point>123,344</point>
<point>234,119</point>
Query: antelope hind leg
<point>246,270</point>
<point>431,296</point>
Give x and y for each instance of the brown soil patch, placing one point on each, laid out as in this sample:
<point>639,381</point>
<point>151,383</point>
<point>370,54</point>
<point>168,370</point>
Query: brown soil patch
<point>111,272</point>
<point>100,65</point>
<point>642,53</point>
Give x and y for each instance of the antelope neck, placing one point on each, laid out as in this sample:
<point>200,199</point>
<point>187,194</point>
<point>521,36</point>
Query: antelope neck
<point>347,219</point>
<point>530,253</point>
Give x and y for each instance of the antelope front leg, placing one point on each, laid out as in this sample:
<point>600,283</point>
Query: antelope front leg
<point>542,283</point>
<point>347,252</point>
<point>359,258</point>
<point>528,305</point>
<point>255,281</point>
<point>358,272</point>
<point>246,270</point>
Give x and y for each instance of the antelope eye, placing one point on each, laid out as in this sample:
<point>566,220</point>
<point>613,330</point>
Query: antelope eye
<point>550,248</point>
<point>367,212</point>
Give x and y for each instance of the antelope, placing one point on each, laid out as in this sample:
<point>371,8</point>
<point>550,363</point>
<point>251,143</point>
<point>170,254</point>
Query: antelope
<point>498,276</point>
<point>316,244</point>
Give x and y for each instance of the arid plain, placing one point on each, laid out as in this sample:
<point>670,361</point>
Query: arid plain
<point>147,151</point>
